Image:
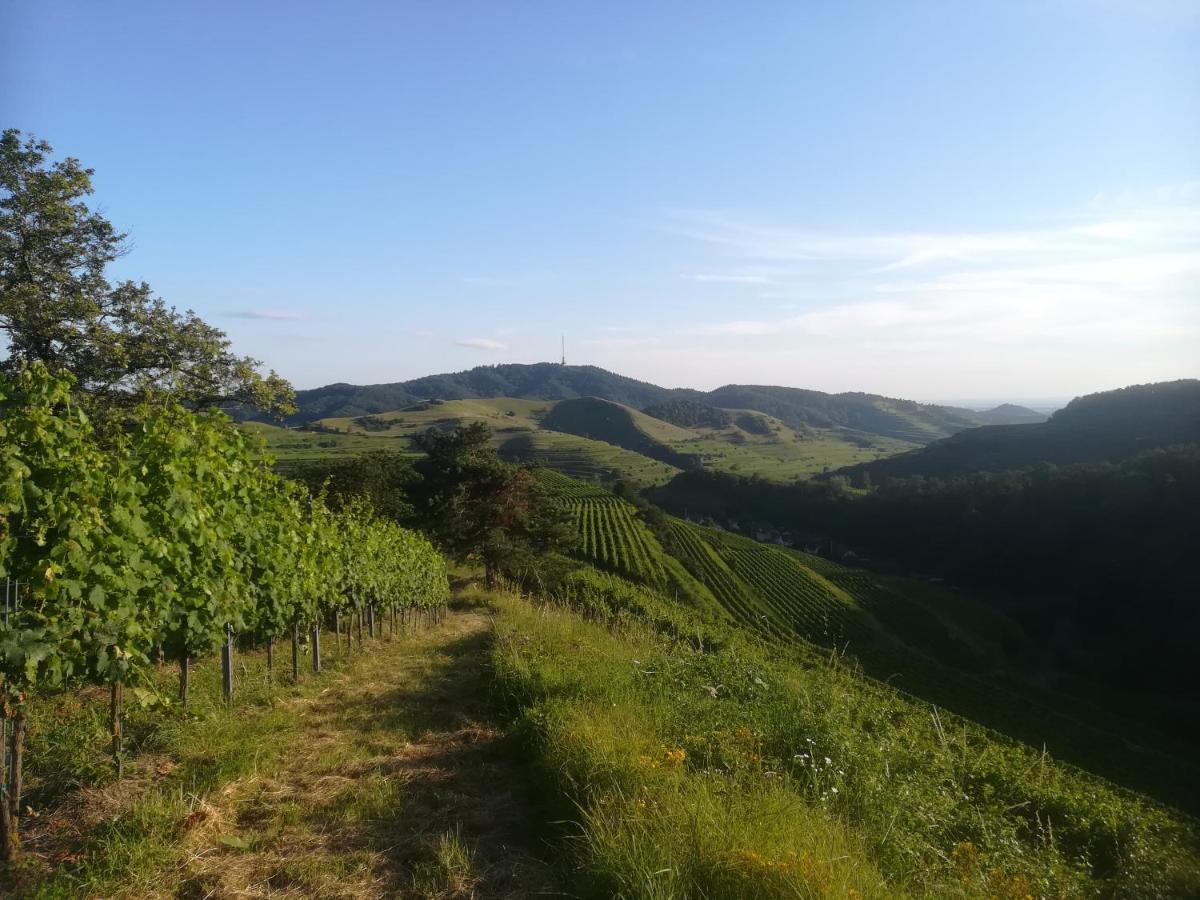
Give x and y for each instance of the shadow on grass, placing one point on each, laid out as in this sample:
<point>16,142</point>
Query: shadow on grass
<point>468,816</point>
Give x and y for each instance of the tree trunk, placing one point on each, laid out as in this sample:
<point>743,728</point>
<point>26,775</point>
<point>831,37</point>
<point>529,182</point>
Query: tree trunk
<point>116,715</point>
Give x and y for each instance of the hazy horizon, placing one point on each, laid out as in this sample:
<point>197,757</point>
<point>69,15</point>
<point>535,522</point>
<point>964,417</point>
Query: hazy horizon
<point>996,200</point>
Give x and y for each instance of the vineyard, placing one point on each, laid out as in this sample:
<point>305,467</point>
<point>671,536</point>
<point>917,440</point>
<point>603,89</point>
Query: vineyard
<point>610,534</point>
<point>768,589</point>
<point>164,541</point>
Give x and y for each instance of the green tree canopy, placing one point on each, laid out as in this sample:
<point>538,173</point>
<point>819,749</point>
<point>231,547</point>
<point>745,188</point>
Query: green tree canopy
<point>118,340</point>
<point>476,506</point>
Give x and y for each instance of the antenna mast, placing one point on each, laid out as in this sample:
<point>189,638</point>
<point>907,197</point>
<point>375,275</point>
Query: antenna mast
<point>564,349</point>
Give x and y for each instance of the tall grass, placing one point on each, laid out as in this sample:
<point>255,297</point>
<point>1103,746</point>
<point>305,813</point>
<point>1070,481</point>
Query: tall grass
<point>729,772</point>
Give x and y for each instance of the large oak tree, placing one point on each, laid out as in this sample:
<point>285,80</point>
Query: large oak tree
<point>118,340</point>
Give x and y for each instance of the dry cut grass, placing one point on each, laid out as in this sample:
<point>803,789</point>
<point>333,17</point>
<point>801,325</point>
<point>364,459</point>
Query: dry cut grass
<point>384,777</point>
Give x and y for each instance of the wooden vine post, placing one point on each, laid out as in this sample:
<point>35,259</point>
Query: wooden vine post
<point>227,665</point>
<point>10,787</point>
<point>116,714</point>
<point>316,647</point>
<point>295,652</point>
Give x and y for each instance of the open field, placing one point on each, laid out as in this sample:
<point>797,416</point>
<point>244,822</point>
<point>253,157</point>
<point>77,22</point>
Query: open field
<point>292,445</point>
<point>787,458</point>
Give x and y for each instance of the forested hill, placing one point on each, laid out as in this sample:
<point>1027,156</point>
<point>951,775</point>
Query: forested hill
<point>539,381</point>
<point>1098,427</point>
<point>903,419</point>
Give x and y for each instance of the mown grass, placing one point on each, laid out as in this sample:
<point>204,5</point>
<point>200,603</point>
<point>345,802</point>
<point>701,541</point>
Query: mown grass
<point>730,772</point>
<point>131,828</point>
<point>305,790</point>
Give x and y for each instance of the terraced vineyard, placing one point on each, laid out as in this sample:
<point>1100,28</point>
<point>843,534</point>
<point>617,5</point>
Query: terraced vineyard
<point>564,487</point>
<point>763,586</point>
<point>796,595</point>
<point>611,535</point>
<point>704,562</point>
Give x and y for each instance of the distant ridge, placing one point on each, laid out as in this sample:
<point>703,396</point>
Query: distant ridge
<point>1097,427</point>
<point>796,407</point>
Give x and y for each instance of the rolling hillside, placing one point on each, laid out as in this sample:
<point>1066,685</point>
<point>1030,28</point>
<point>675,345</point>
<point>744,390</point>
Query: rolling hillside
<point>1098,427</point>
<point>869,413</point>
<point>593,438</point>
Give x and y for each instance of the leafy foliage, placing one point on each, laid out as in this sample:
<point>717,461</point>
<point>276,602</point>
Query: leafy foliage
<point>57,307</point>
<point>478,507</point>
<point>172,535</point>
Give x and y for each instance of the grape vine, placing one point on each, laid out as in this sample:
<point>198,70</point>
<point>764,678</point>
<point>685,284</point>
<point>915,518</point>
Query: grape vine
<point>165,540</point>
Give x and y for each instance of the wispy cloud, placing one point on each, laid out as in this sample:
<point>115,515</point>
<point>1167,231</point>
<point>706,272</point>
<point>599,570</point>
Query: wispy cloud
<point>270,315</point>
<point>1128,268</point>
<point>728,278</point>
<point>617,343</point>
<point>481,343</point>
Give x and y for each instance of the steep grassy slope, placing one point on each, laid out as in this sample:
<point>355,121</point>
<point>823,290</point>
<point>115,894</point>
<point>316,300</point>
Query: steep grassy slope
<point>940,645</point>
<point>717,767</point>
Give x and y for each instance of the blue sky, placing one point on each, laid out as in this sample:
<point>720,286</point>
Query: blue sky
<point>931,200</point>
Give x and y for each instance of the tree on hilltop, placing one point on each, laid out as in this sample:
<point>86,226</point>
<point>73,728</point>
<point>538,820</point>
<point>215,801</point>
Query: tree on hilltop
<point>119,341</point>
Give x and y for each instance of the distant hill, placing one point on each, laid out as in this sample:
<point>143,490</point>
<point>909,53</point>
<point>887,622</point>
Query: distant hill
<point>1098,427</point>
<point>797,408</point>
<point>1010,414</point>
<point>902,419</point>
<point>603,420</point>
<point>539,381</point>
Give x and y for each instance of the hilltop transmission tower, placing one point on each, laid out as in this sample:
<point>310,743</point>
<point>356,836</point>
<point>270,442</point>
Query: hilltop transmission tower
<point>564,349</point>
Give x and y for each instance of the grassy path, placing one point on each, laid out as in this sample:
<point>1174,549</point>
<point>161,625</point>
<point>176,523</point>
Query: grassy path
<point>385,777</point>
<point>397,783</point>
